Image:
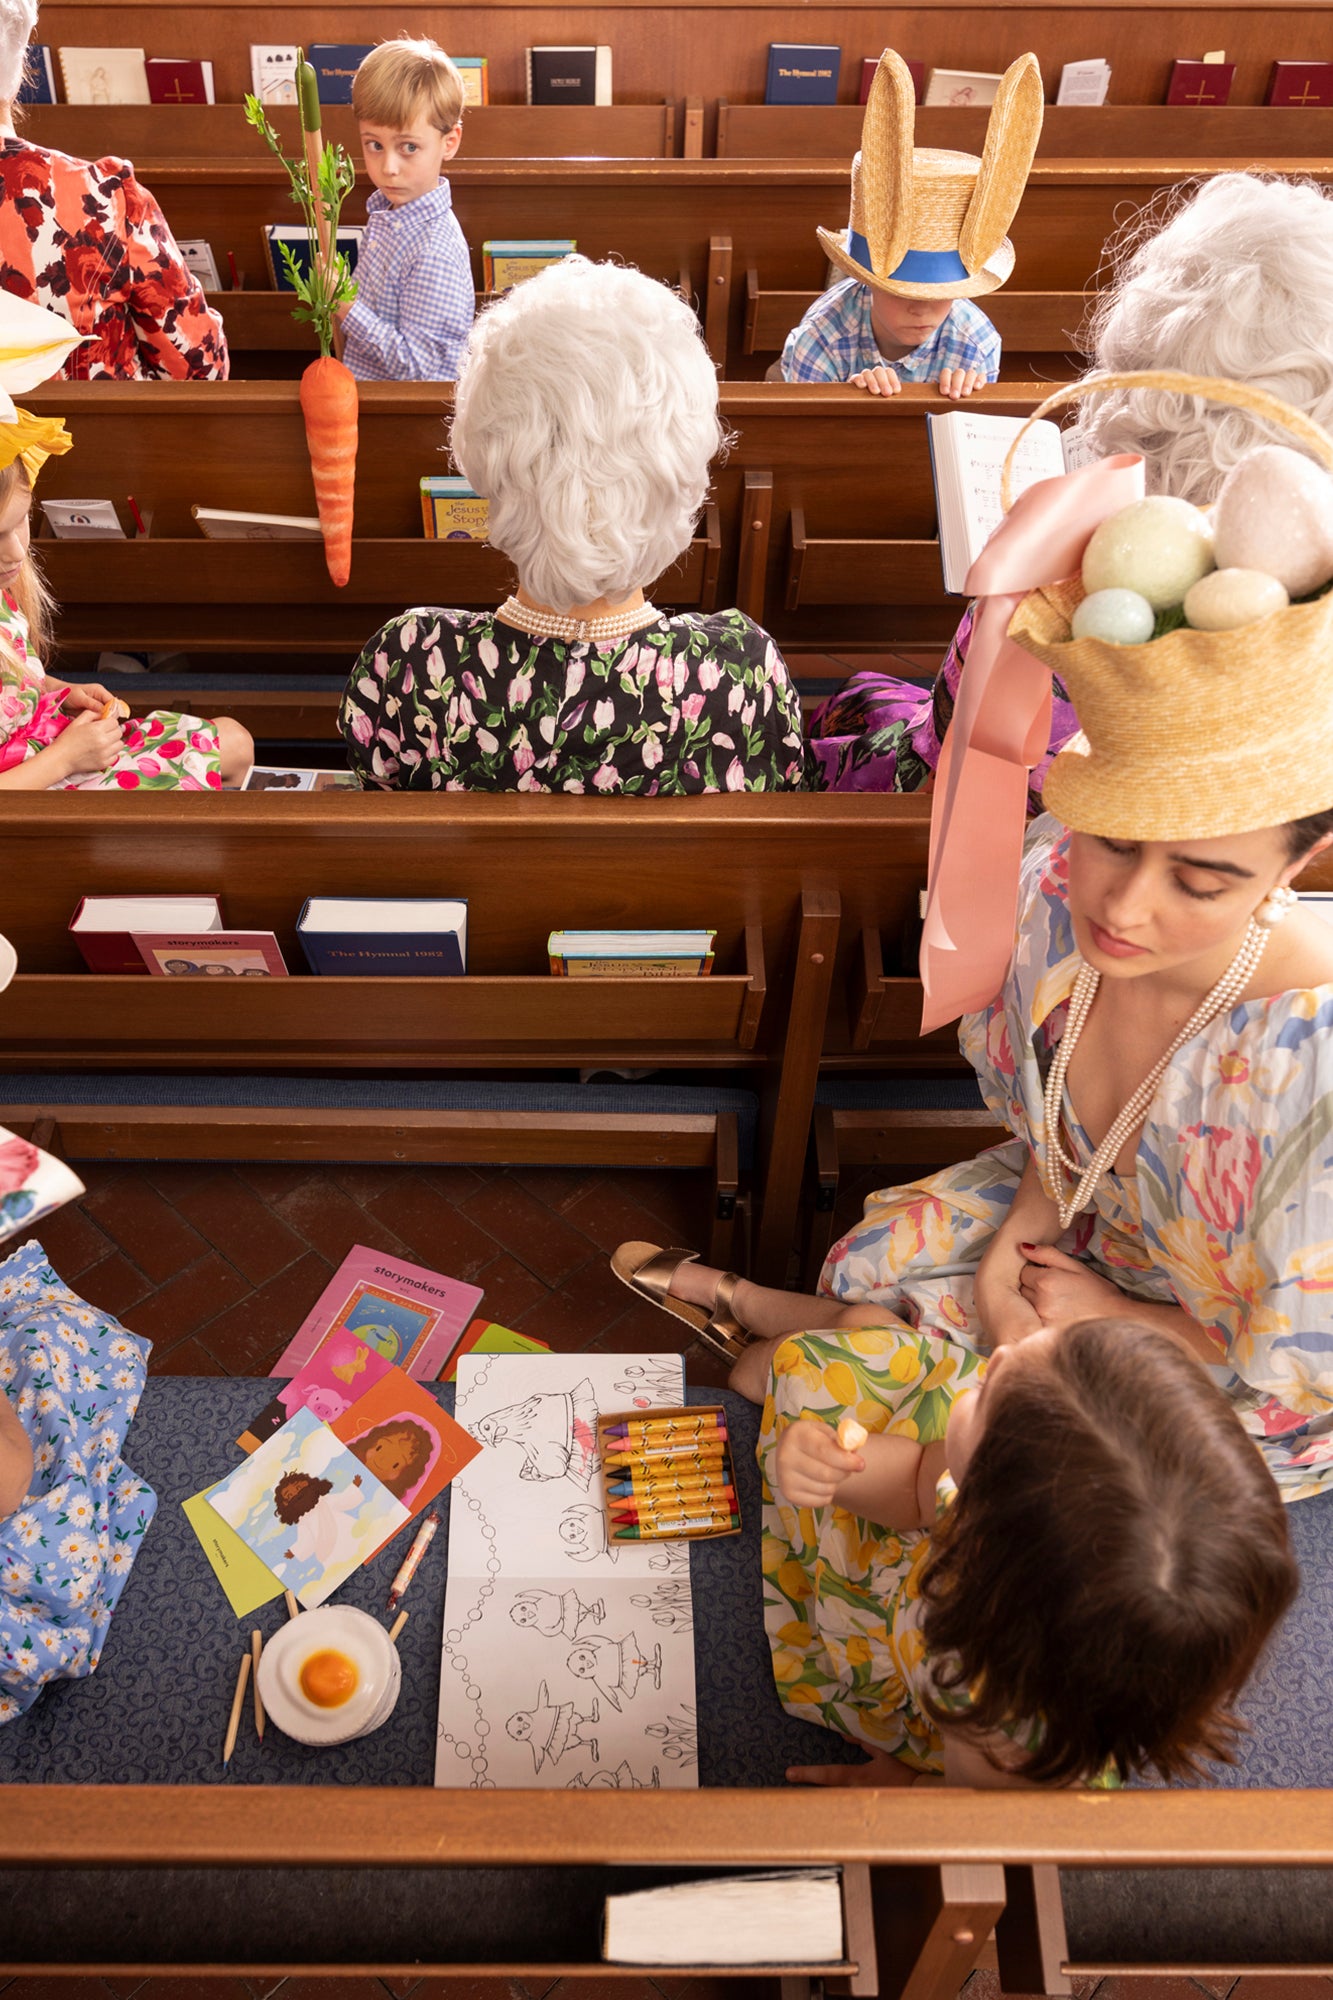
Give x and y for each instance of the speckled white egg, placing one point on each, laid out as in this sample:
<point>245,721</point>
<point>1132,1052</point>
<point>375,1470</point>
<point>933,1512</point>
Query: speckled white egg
<point>1121,617</point>
<point>1275,513</point>
<point>1226,598</point>
<point>1157,547</point>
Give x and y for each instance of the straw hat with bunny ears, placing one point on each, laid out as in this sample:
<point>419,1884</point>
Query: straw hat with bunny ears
<point>927,224</point>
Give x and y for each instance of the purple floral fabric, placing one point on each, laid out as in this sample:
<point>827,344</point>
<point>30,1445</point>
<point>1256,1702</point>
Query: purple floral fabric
<point>877,734</point>
<point>458,701</point>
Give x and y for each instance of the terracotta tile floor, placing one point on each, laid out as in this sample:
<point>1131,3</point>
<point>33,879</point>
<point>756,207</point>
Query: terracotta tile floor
<point>218,1265</point>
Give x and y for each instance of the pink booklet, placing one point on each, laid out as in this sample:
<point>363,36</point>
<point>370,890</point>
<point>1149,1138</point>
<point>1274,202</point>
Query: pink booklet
<point>413,1317</point>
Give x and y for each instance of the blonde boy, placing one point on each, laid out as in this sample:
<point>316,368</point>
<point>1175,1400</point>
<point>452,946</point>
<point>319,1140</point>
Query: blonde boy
<point>415,301</point>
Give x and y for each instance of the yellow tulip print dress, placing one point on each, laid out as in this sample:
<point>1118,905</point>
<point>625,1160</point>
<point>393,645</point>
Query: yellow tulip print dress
<point>842,1602</point>
<point>1229,1213</point>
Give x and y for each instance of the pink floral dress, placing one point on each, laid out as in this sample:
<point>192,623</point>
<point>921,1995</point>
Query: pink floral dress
<point>1228,1215</point>
<point>161,752</point>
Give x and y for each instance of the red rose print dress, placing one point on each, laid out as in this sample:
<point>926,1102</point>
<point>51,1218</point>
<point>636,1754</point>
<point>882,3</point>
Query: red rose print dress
<point>160,752</point>
<point>86,240</point>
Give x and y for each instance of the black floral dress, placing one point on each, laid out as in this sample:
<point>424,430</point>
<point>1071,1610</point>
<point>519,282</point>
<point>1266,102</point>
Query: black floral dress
<point>458,701</point>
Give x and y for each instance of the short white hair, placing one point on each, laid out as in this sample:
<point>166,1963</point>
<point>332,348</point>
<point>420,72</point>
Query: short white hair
<point>586,414</point>
<point>1233,277</point>
<point>18,18</point>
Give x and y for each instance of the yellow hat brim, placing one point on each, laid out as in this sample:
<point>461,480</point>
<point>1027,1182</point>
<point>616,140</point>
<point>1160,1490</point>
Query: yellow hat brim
<point>997,271</point>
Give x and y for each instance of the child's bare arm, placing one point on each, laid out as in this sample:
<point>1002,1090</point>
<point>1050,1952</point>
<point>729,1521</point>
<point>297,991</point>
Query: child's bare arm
<point>890,1480</point>
<point>89,744</point>
<point>15,1459</point>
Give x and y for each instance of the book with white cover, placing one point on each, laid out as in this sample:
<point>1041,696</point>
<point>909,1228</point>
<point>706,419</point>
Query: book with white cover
<point>729,1920</point>
<point>231,524</point>
<point>197,256</point>
<point>968,87</point>
<point>104,76</point>
<point>273,72</point>
<point>83,520</point>
<point>1084,83</point>
<point>967,454</point>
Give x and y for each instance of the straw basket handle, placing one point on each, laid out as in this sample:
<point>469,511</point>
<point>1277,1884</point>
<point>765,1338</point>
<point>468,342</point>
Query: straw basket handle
<point>1257,401</point>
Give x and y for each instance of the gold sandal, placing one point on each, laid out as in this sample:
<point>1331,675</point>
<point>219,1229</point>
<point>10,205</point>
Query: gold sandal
<point>648,1270</point>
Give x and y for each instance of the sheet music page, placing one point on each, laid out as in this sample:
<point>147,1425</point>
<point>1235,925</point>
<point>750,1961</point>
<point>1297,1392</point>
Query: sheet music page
<point>968,451</point>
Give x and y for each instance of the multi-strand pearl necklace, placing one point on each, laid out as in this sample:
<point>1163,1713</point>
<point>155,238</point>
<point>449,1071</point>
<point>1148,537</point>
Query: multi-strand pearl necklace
<point>1225,994</point>
<point>541,624</point>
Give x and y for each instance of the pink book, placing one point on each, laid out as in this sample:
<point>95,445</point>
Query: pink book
<point>413,1317</point>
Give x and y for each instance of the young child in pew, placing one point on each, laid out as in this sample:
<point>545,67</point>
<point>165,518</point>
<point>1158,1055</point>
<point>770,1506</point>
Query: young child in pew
<point>57,737</point>
<point>1058,1566</point>
<point>925,238</point>
<point>414,294</point>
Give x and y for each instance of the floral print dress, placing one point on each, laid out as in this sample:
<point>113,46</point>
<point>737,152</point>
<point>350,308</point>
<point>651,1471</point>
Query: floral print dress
<point>88,241</point>
<point>1229,1215</point>
<point>458,701</point>
<point>878,734</point>
<point>75,1378</point>
<point>160,752</point>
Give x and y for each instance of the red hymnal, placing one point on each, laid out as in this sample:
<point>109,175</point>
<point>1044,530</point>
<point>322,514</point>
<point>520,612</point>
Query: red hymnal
<point>173,82</point>
<point>103,927</point>
<point>1308,84</point>
<point>869,64</point>
<point>1200,82</point>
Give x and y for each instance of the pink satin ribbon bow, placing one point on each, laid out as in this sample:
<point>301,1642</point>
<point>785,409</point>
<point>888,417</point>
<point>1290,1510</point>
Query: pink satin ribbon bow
<point>999,731</point>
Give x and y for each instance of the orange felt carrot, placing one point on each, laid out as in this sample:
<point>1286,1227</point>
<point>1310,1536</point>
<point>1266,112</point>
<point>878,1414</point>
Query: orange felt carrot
<point>329,406</point>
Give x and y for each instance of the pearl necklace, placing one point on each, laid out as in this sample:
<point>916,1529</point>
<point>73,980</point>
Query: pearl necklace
<point>1225,994</point>
<point>541,624</point>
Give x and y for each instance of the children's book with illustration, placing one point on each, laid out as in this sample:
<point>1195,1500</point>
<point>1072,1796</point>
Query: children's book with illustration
<point>104,76</point>
<point>475,72</point>
<point>568,1658</point>
<point>273,72</point>
<point>377,937</point>
<point>967,454</point>
<point>451,510</point>
<point>211,954</point>
<point>412,1316</point>
<point>961,87</point>
<point>197,257</point>
<point>508,260</point>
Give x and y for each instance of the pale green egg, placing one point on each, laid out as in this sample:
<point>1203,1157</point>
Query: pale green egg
<point>1157,547</point>
<point>1122,617</point>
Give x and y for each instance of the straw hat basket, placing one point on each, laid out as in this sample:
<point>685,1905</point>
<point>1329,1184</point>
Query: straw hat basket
<point>1194,734</point>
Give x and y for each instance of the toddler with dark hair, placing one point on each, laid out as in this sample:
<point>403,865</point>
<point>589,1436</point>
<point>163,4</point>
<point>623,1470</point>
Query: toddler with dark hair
<point>1057,1566</point>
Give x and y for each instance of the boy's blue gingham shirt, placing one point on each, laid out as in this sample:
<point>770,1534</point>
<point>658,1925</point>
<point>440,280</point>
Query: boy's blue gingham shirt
<point>836,340</point>
<point>415,301</point>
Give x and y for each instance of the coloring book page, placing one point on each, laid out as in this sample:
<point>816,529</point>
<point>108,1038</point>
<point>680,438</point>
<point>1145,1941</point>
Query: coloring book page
<point>566,1662</point>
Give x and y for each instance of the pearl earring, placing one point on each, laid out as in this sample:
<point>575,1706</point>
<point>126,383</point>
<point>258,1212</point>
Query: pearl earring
<point>1275,906</point>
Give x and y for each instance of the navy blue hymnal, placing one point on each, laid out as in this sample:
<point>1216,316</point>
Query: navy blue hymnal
<point>802,73</point>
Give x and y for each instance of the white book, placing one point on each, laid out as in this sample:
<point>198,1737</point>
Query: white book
<point>961,87</point>
<point>1084,83</point>
<point>967,454</point>
<point>273,72</point>
<point>732,1920</point>
<point>630,944</point>
<point>148,913</point>
<point>83,520</point>
<point>228,524</point>
<point>197,256</point>
<point>430,916</point>
<point>104,76</point>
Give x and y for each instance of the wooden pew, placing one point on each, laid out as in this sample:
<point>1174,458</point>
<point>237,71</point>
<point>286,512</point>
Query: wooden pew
<point>789,882</point>
<point>1103,132</point>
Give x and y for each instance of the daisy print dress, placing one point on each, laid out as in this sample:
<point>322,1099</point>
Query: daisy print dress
<point>74,1377</point>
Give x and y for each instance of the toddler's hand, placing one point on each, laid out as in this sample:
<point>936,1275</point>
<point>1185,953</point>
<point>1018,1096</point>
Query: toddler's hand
<point>958,382</point>
<point>811,1465</point>
<point>86,695</point>
<point>91,744</point>
<point>879,381</point>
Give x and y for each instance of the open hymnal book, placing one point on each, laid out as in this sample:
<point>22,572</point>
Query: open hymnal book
<point>729,1920</point>
<point>967,454</point>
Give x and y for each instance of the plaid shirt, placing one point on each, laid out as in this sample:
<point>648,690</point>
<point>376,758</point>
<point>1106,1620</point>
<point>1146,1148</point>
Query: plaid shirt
<point>836,340</point>
<point>415,301</point>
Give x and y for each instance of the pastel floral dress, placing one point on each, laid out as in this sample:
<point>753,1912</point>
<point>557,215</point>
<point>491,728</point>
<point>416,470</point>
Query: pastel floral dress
<point>160,752</point>
<point>878,734</point>
<point>1228,1216</point>
<point>842,1601</point>
<point>458,701</point>
<point>75,1378</point>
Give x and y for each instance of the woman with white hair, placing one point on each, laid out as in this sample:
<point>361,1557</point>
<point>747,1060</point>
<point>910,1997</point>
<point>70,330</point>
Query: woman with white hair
<point>586,414</point>
<point>86,240</point>
<point>1232,279</point>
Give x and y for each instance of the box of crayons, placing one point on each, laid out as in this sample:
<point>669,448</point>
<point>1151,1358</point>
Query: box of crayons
<point>668,1474</point>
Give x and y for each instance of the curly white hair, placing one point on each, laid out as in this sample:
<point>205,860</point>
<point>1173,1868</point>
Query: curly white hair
<point>18,18</point>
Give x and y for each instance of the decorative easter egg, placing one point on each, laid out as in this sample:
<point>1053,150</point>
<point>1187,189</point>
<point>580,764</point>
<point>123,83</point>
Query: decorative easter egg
<point>1157,547</point>
<point>1226,598</point>
<point>1120,616</point>
<point>1275,513</point>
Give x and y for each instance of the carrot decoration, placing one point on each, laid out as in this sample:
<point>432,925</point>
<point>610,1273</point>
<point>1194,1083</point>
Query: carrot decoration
<point>320,183</point>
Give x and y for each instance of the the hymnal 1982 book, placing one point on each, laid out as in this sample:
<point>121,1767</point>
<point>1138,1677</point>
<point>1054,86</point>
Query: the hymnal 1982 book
<point>967,454</point>
<point>803,73</point>
<point>335,65</point>
<point>374,937</point>
<point>39,78</point>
